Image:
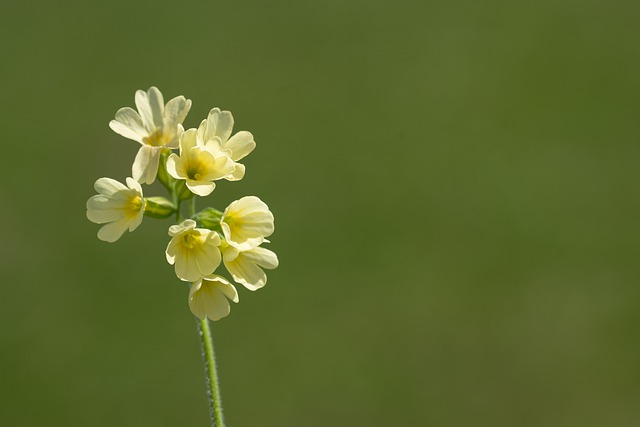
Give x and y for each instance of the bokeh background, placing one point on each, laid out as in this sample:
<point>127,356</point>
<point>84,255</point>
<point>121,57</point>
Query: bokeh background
<point>455,185</point>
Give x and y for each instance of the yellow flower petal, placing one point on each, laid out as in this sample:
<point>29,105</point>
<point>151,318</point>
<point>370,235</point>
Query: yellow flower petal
<point>247,222</point>
<point>118,206</point>
<point>210,297</point>
<point>194,251</point>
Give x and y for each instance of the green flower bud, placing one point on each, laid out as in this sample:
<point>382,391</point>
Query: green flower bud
<point>209,218</point>
<point>158,207</point>
<point>182,191</point>
<point>164,177</point>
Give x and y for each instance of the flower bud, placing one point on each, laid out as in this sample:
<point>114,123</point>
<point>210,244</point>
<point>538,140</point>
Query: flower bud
<point>166,179</point>
<point>209,218</point>
<point>158,207</point>
<point>182,191</point>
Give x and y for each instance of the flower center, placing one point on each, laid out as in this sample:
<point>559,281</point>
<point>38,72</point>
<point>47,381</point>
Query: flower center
<point>194,173</point>
<point>191,240</point>
<point>135,204</point>
<point>156,139</point>
<point>197,164</point>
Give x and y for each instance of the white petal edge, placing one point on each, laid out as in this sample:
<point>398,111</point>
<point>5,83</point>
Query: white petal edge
<point>108,186</point>
<point>145,165</point>
<point>202,189</point>
<point>113,231</point>
<point>128,123</point>
<point>240,145</point>
<point>156,103</point>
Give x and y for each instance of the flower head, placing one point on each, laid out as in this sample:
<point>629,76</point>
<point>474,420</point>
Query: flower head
<point>245,266</point>
<point>209,297</point>
<point>155,126</point>
<point>216,129</point>
<point>194,251</point>
<point>118,206</point>
<point>199,165</point>
<point>246,222</point>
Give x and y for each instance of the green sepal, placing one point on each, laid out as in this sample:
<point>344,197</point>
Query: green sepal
<point>158,207</point>
<point>163,176</point>
<point>209,218</point>
<point>182,191</point>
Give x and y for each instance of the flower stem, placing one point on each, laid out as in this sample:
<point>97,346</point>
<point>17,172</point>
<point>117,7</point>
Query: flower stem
<point>176,201</point>
<point>209,358</point>
<point>213,390</point>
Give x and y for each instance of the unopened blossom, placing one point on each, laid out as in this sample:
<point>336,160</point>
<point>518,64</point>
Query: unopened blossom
<point>209,297</point>
<point>199,165</point>
<point>117,206</point>
<point>155,126</point>
<point>216,129</point>
<point>246,267</point>
<point>246,222</point>
<point>194,251</point>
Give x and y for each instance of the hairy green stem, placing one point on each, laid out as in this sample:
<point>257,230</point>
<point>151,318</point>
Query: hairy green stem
<point>213,390</point>
<point>176,201</point>
<point>209,357</point>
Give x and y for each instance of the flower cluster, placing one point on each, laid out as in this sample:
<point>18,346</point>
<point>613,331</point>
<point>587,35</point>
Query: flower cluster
<point>200,241</point>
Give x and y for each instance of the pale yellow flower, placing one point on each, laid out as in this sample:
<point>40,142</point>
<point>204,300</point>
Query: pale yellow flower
<point>199,165</point>
<point>209,297</point>
<point>117,206</point>
<point>246,222</point>
<point>194,251</point>
<point>155,126</point>
<point>216,129</point>
<point>246,266</point>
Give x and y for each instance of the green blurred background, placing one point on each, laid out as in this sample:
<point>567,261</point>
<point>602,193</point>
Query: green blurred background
<point>455,185</point>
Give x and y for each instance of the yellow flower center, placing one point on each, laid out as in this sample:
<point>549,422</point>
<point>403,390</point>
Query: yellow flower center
<point>156,139</point>
<point>135,204</point>
<point>194,173</point>
<point>197,164</point>
<point>230,218</point>
<point>191,240</point>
